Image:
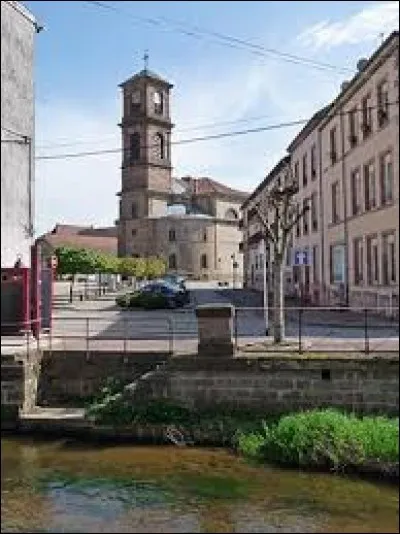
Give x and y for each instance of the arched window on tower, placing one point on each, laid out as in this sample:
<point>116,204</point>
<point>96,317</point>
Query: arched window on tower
<point>172,261</point>
<point>158,100</point>
<point>159,143</point>
<point>134,147</point>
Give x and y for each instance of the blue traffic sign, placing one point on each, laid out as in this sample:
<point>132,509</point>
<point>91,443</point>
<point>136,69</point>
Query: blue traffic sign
<point>301,257</point>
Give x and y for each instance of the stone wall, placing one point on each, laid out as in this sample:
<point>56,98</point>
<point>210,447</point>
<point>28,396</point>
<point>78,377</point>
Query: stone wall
<point>71,377</point>
<point>274,385</point>
<point>19,385</point>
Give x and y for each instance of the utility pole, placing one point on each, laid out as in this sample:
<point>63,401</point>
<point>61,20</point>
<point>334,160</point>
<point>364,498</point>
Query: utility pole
<point>265,288</point>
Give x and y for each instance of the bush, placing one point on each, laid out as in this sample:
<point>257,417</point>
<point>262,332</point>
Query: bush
<point>325,438</point>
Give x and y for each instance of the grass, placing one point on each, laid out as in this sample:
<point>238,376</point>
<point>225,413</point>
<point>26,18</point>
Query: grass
<point>324,438</point>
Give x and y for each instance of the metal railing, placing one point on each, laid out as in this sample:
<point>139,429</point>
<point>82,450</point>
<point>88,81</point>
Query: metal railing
<point>319,329</point>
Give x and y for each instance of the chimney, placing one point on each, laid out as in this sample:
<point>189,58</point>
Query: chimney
<point>361,63</point>
<point>344,85</point>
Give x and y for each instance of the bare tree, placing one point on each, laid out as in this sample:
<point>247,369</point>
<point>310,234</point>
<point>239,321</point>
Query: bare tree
<point>286,214</point>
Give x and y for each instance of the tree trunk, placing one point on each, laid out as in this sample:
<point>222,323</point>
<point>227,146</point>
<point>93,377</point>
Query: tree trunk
<point>279,316</point>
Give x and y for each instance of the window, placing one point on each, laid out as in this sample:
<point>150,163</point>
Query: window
<point>353,127</point>
<point>333,145</point>
<point>335,216</point>
<point>388,259</point>
<point>296,172</point>
<point>355,183</point>
<point>298,221</point>
<point>172,235</point>
<point>158,99</point>
<point>203,261</point>
<point>358,260</point>
<point>134,232</point>
<point>134,211</point>
<point>172,263</point>
<point>306,217</point>
<point>366,107</point>
<point>204,235</point>
<point>386,178</point>
<point>383,103</point>
<point>369,186</point>
<point>159,144</point>
<point>372,260</point>
<point>134,147</point>
<point>315,264</point>
<point>337,263</point>
<point>135,101</point>
<point>305,177</point>
<point>314,213</point>
<point>313,162</point>
<point>231,214</point>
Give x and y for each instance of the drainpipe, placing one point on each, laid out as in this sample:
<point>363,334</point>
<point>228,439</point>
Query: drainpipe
<point>345,222</point>
<point>321,213</point>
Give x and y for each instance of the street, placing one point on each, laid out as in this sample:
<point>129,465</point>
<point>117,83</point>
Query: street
<point>104,323</point>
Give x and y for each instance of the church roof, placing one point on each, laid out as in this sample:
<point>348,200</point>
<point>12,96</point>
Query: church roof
<point>146,73</point>
<point>207,186</point>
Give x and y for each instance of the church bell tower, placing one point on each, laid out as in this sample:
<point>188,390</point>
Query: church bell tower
<point>146,171</point>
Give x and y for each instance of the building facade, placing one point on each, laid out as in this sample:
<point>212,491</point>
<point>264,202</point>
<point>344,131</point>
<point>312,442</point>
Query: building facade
<point>193,223</point>
<point>18,28</point>
<point>346,164</point>
<point>257,250</point>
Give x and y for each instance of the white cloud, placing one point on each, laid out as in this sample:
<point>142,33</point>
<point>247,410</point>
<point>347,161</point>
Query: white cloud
<point>83,190</point>
<point>364,26</point>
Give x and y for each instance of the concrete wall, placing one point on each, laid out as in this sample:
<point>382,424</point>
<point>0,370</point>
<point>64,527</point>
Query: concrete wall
<point>17,115</point>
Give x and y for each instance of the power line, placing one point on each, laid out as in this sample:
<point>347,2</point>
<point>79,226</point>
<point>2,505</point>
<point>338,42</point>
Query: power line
<point>180,142</point>
<point>187,129</point>
<point>223,39</point>
<point>25,138</point>
<point>201,138</point>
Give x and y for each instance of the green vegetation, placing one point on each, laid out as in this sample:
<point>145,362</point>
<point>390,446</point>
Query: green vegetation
<point>324,438</point>
<point>327,439</point>
<point>72,261</point>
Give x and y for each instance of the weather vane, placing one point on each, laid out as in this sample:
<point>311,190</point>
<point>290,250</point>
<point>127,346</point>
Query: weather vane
<point>146,59</point>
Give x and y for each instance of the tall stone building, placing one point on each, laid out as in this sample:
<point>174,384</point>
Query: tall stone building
<point>191,222</point>
<point>18,28</point>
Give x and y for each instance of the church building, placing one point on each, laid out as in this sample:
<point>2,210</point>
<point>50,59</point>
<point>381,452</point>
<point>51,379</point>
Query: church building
<point>192,222</point>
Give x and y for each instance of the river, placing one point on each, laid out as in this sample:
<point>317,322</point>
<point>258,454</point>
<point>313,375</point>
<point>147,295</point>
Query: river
<point>61,486</point>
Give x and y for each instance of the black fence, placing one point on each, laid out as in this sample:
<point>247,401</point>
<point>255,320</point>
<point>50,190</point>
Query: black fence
<point>307,330</point>
<point>320,329</point>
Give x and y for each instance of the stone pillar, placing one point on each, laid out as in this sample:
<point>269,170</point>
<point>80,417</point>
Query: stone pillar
<point>215,330</point>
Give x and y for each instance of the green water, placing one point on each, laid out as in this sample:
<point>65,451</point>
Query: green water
<point>65,487</point>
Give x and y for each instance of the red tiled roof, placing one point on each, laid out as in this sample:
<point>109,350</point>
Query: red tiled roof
<point>201,186</point>
<point>107,244</point>
<point>72,229</point>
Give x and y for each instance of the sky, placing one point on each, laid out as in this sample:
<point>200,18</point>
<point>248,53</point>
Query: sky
<point>221,84</point>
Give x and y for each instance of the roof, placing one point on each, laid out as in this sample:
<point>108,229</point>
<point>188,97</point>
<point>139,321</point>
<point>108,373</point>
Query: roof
<point>22,10</point>
<point>146,73</point>
<point>72,229</point>
<point>309,127</point>
<point>270,176</point>
<point>350,85</point>
<point>69,235</point>
<point>208,186</point>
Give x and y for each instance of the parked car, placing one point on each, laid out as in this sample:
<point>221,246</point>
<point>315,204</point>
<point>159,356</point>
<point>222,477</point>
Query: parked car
<point>178,281</point>
<point>174,296</point>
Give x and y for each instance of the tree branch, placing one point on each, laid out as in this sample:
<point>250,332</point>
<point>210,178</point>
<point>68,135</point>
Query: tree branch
<point>265,224</point>
<point>298,217</point>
